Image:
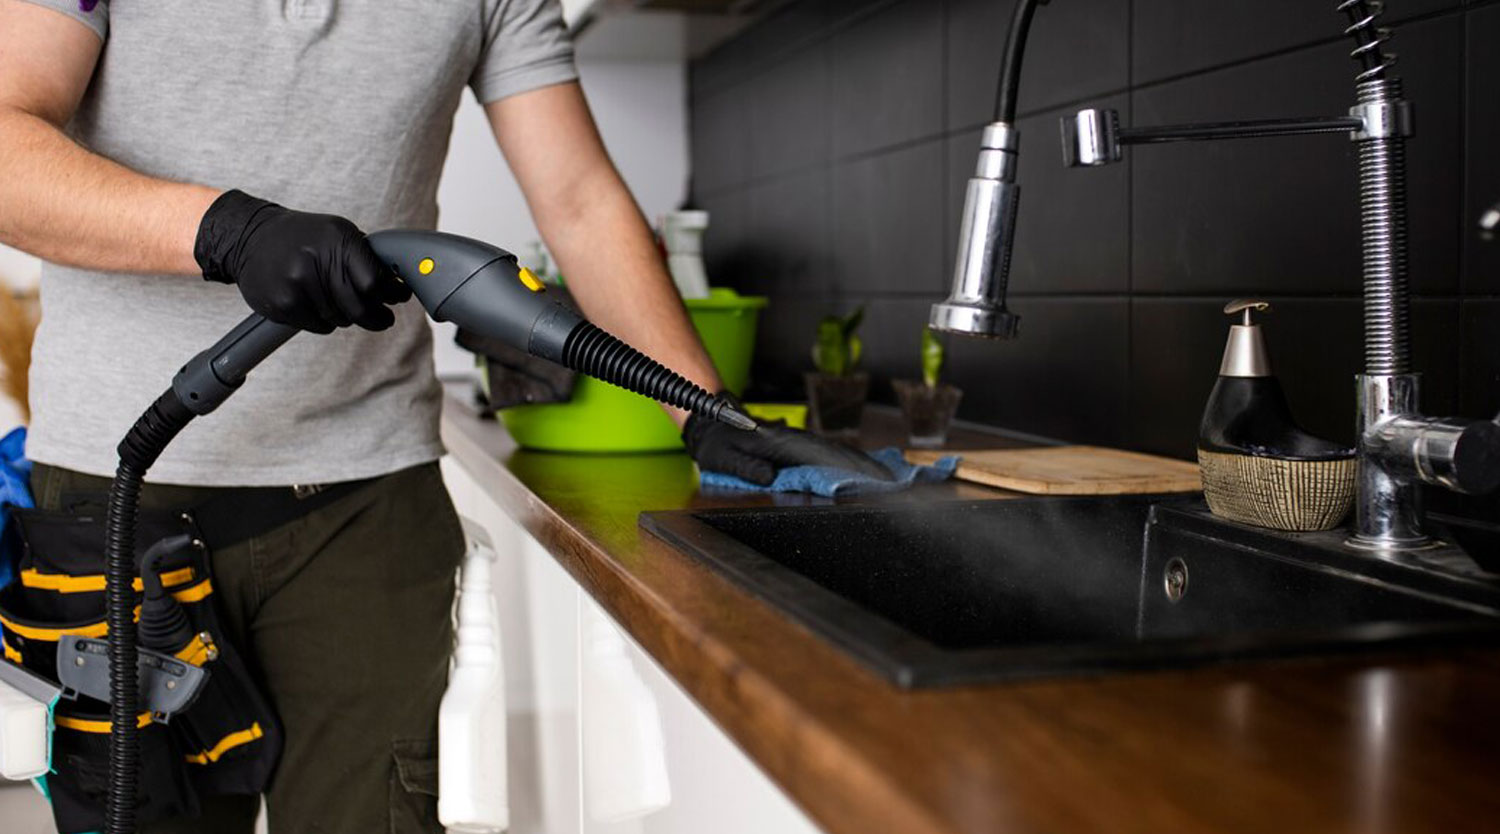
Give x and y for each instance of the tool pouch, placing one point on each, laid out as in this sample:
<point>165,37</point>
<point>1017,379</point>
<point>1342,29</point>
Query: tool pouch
<point>226,742</point>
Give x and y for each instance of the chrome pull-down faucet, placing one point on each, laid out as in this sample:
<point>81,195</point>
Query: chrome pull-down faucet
<point>1398,448</point>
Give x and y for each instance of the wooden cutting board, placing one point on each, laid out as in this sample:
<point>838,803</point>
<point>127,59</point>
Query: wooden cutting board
<point>1070,470</point>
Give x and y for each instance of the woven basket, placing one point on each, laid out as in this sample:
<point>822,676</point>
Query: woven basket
<point>1297,495</point>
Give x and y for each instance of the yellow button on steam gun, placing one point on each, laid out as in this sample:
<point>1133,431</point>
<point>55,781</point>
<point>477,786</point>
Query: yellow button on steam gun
<point>426,266</point>
<point>530,280</point>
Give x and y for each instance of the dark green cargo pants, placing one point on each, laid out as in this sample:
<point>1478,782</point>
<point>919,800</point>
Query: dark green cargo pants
<point>345,615</point>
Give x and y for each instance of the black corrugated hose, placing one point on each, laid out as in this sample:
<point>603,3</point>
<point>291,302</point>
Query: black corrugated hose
<point>138,451</point>
<point>591,350</point>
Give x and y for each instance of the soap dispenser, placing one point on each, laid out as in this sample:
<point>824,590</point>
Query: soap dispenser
<point>1258,466</point>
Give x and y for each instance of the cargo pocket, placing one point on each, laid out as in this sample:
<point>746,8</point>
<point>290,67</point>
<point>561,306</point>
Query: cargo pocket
<point>414,787</point>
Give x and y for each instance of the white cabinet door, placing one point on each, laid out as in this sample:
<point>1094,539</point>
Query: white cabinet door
<point>709,784</point>
<point>538,605</point>
<point>602,740</point>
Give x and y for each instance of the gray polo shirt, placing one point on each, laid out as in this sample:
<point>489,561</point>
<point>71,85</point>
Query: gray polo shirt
<point>340,106</point>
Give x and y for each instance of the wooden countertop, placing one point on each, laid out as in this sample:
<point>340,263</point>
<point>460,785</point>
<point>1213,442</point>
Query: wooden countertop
<point>1378,744</point>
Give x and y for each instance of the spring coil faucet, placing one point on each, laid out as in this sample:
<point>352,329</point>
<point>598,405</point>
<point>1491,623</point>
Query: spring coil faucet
<point>1398,449</point>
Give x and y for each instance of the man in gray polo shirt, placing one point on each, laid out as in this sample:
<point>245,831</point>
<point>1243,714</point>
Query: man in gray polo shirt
<point>144,142</point>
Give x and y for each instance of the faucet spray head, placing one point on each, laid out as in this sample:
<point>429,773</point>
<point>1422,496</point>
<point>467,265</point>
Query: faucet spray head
<point>976,305</point>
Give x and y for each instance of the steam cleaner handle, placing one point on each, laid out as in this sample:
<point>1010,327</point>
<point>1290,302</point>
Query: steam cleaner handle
<point>479,287</point>
<point>209,378</point>
<point>483,289</point>
<point>507,303</point>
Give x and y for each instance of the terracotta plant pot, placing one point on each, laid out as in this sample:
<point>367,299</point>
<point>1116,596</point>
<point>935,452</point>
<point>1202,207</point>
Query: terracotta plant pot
<point>835,403</point>
<point>928,411</point>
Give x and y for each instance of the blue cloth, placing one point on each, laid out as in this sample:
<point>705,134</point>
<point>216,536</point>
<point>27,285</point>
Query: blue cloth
<point>15,491</point>
<point>830,482</point>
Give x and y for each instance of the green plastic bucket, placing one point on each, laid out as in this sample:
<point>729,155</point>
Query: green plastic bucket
<point>603,418</point>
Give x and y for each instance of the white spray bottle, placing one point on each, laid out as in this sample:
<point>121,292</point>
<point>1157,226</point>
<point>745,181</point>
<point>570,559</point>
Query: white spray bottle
<point>472,794</point>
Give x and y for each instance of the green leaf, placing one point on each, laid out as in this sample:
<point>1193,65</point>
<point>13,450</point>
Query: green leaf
<point>838,349</point>
<point>830,356</point>
<point>932,357</point>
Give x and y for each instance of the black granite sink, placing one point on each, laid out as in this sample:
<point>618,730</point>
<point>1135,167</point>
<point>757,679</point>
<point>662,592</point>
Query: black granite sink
<point>950,592</point>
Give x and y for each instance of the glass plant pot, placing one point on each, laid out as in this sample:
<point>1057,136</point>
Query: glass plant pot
<point>835,403</point>
<point>928,411</point>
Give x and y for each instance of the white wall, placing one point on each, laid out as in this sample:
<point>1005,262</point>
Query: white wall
<point>18,270</point>
<point>641,109</point>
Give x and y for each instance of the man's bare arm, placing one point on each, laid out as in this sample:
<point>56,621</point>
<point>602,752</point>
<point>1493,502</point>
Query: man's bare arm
<point>57,200</point>
<point>594,228</point>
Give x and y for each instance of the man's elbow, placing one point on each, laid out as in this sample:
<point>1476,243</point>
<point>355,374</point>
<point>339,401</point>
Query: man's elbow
<point>584,199</point>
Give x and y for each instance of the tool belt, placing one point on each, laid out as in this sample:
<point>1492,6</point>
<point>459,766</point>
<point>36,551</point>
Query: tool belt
<point>228,740</point>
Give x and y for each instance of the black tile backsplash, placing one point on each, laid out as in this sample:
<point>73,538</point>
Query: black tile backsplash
<point>720,141</point>
<point>1177,37</point>
<point>787,224</point>
<point>790,128</point>
<point>1075,50</point>
<point>1481,353</point>
<point>1067,376</point>
<point>832,143</point>
<point>1282,215</point>
<point>888,230</point>
<point>886,78</point>
<point>1482,259</point>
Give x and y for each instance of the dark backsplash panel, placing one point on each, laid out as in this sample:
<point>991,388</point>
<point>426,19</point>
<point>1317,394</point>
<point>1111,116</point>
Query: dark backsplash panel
<point>832,142</point>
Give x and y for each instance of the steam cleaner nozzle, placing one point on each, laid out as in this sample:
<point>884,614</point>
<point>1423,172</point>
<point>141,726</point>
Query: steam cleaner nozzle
<point>483,289</point>
<point>738,419</point>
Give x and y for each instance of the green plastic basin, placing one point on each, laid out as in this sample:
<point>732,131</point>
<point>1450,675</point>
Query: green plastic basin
<point>604,418</point>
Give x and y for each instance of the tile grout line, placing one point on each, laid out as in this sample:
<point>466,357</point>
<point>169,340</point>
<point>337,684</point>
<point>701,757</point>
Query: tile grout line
<point>1465,246</point>
<point>1130,395</point>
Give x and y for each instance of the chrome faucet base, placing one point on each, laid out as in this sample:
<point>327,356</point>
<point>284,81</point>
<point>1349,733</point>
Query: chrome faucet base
<point>1400,450</point>
<point>1388,504</point>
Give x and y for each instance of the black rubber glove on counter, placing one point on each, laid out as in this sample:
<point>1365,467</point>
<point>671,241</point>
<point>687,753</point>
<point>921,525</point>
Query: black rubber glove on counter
<point>756,456</point>
<point>315,272</point>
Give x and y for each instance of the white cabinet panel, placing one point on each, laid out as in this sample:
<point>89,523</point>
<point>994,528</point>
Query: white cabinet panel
<point>713,785</point>
<point>538,609</point>
<point>602,740</point>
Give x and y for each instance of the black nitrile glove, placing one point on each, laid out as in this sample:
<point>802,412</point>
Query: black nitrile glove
<point>315,272</point>
<point>756,456</point>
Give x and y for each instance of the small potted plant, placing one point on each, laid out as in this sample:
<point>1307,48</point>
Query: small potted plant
<point>836,391</point>
<point>928,405</point>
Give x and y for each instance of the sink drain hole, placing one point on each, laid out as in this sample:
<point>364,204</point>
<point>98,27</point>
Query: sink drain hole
<point>1175,580</point>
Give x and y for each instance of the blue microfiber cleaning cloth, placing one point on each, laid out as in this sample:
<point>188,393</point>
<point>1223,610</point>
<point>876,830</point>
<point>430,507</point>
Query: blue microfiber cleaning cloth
<point>15,491</point>
<point>831,482</point>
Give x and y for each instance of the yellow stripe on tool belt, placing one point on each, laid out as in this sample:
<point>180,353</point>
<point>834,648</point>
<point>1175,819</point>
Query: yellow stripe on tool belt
<point>86,725</point>
<point>226,744</point>
<point>10,654</point>
<point>198,650</point>
<point>195,593</point>
<point>52,635</point>
<point>91,583</point>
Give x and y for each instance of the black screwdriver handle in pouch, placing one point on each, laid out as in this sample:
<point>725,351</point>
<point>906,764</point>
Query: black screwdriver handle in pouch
<point>208,379</point>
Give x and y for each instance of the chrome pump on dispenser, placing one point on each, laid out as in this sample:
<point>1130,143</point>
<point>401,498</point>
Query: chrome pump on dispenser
<point>481,288</point>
